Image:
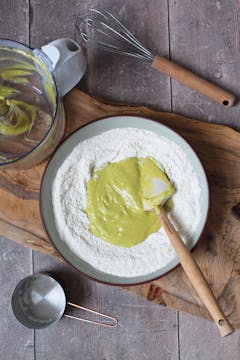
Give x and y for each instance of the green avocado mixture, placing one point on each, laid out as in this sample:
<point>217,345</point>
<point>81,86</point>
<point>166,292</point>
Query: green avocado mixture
<point>14,72</point>
<point>118,197</point>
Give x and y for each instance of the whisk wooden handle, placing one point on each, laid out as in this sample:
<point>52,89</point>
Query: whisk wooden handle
<point>193,81</point>
<point>195,275</point>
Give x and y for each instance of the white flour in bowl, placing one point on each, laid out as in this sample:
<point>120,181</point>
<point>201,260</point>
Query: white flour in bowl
<point>70,200</point>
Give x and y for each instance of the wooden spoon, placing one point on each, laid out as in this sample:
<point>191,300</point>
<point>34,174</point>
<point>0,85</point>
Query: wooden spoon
<point>194,274</point>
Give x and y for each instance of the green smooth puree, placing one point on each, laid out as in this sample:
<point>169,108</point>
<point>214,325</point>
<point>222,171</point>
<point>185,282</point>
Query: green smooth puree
<point>117,197</point>
<point>18,72</point>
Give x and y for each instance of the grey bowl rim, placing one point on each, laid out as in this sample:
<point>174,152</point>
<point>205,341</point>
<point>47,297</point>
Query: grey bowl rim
<point>140,282</point>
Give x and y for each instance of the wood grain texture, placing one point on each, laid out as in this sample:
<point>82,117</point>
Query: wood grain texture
<point>16,342</point>
<point>15,264</point>
<point>193,81</point>
<point>121,78</point>
<point>199,341</point>
<point>204,37</point>
<point>210,48</point>
<point>50,20</point>
<point>145,329</point>
<point>14,23</point>
<point>218,253</point>
<point>115,78</point>
<point>194,274</point>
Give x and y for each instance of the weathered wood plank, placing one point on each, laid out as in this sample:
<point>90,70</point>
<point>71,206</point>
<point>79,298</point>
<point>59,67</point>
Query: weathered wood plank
<point>63,15</point>
<point>124,82</point>
<point>204,36</point>
<point>121,78</point>
<point>114,78</point>
<point>16,341</point>
<point>218,253</point>
<point>14,24</point>
<point>53,19</point>
<point>145,330</point>
<point>200,340</point>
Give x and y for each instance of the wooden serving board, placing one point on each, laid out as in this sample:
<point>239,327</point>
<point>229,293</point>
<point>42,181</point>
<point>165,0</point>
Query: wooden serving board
<point>218,254</point>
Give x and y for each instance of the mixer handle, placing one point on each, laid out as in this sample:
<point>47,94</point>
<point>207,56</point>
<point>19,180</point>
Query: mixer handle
<point>68,61</point>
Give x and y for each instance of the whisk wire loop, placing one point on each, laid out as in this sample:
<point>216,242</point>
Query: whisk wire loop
<point>104,30</point>
<point>131,36</point>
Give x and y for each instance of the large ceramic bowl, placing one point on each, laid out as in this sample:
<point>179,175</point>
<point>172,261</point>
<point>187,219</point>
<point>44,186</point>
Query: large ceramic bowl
<point>93,129</point>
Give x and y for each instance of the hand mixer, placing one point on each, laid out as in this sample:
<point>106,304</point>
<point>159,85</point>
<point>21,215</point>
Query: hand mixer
<point>104,30</point>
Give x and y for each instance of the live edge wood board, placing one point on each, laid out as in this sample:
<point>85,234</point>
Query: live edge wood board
<point>218,252</point>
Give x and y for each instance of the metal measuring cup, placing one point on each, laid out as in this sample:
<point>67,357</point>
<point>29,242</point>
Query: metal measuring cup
<point>38,301</point>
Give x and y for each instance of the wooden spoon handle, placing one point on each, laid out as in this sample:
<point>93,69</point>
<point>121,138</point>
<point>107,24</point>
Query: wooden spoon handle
<point>193,81</point>
<point>195,275</point>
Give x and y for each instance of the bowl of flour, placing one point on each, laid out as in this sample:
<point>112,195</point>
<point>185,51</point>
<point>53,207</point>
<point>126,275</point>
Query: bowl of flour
<point>63,198</point>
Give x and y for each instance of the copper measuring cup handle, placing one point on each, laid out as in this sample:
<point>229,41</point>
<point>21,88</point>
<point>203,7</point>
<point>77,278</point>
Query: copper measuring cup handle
<point>114,320</point>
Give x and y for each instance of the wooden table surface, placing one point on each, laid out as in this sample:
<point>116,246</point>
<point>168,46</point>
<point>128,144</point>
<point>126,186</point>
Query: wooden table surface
<point>201,35</point>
